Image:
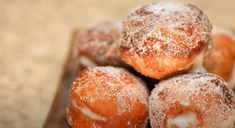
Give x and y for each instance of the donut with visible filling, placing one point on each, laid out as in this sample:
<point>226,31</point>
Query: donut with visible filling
<point>161,39</point>
<point>108,97</point>
<point>97,45</point>
<point>197,100</point>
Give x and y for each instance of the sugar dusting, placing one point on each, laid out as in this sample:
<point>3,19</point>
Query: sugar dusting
<point>99,43</point>
<point>109,82</point>
<point>219,30</point>
<point>187,27</point>
<point>168,7</point>
<point>206,91</point>
<point>230,122</point>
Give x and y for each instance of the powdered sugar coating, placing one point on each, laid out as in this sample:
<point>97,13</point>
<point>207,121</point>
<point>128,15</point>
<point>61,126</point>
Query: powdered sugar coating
<point>164,30</point>
<point>182,20</point>
<point>112,87</point>
<point>99,43</point>
<point>222,53</point>
<point>219,31</point>
<point>110,78</point>
<point>206,95</point>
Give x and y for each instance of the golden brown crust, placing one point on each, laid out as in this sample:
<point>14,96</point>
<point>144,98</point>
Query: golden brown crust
<point>204,98</point>
<point>161,39</point>
<point>220,59</point>
<point>108,97</point>
<point>99,44</point>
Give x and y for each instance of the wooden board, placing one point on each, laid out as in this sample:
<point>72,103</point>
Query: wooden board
<point>57,114</point>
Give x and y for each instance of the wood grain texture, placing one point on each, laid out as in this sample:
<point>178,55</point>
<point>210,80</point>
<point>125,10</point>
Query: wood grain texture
<point>34,43</point>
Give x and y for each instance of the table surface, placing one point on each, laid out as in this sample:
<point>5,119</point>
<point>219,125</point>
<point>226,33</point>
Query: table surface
<point>34,41</point>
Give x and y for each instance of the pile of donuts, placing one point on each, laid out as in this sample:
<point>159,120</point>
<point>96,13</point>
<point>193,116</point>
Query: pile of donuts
<point>162,66</point>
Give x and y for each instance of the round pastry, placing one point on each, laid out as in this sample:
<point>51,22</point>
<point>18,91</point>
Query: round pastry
<point>160,39</point>
<point>98,45</point>
<point>192,101</point>
<point>220,59</point>
<point>108,97</point>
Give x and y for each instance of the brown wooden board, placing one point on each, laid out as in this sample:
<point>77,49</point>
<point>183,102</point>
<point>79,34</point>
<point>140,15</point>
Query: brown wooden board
<point>57,114</point>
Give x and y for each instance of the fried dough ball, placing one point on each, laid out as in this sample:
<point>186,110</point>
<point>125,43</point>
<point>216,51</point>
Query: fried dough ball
<point>192,101</point>
<point>220,59</point>
<point>161,39</point>
<point>108,97</point>
<point>98,45</point>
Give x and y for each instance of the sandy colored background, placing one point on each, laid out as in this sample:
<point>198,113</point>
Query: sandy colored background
<point>34,40</point>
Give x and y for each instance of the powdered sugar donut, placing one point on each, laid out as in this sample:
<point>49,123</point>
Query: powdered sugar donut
<point>160,39</point>
<point>220,59</point>
<point>108,97</point>
<point>98,45</point>
<point>192,101</point>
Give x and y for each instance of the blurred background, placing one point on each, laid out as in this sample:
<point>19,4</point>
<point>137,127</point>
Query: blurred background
<point>34,42</point>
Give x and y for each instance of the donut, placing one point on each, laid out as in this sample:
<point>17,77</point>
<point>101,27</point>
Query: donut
<point>197,100</point>
<point>220,59</point>
<point>97,45</point>
<point>161,39</point>
<point>108,97</point>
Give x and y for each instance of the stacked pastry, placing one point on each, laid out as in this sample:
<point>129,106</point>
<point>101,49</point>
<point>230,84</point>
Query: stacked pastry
<point>168,41</point>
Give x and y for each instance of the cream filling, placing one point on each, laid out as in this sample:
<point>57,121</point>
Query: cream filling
<point>184,120</point>
<point>198,64</point>
<point>87,62</point>
<point>89,113</point>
